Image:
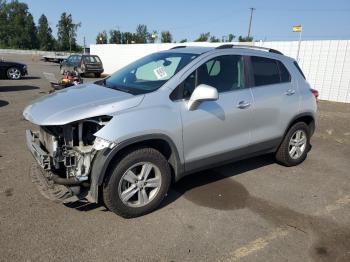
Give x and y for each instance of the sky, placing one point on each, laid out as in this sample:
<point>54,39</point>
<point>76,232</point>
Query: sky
<point>272,19</point>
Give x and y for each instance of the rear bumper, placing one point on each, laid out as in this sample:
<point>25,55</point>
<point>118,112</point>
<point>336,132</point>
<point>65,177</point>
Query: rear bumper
<point>92,70</point>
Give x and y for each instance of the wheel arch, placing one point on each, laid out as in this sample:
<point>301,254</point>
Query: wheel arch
<point>307,118</point>
<point>105,158</point>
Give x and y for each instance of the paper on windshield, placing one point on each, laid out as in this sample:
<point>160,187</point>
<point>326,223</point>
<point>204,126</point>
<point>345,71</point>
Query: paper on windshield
<point>160,72</point>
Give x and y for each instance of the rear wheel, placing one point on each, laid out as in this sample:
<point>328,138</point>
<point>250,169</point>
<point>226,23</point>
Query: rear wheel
<point>13,73</point>
<point>295,145</point>
<point>138,183</point>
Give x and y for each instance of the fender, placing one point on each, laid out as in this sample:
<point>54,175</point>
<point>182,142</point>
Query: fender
<point>104,157</point>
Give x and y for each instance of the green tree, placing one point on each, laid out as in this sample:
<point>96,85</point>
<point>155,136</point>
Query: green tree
<point>141,35</point>
<point>245,39</point>
<point>152,37</point>
<point>166,37</point>
<point>128,38</point>
<point>204,37</point>
<point>17,27</point>
<point>115,37</point>
<point>231,37</point>
<point>183,41</point>
<point>67,32</point>
<point>214,39</point>
<point>45,38</point>
<point>101,38</point>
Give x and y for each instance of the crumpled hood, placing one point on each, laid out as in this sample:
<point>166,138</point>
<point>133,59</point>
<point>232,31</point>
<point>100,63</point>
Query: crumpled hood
<point>77,103</point>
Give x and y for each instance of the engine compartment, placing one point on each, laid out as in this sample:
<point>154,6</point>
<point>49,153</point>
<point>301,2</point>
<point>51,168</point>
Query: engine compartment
<point>72,147</point>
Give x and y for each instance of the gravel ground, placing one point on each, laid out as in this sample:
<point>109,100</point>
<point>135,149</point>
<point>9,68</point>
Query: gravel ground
<point>253,210</point>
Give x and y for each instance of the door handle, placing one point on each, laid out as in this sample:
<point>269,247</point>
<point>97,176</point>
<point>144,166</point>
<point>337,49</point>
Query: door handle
<point>290,92</point>
<point>243,104</point>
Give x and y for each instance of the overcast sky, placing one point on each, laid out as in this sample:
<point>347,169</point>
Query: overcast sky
<point>272,19</point>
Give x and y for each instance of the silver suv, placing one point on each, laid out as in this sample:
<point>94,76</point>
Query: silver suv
<point>123,139</point>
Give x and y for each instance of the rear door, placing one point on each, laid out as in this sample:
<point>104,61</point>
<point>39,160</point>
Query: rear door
<point>276,99</point>
<point>216,129</point>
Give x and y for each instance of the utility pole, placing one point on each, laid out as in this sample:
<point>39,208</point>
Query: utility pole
<point>84,45</point>
<point>250,20</point>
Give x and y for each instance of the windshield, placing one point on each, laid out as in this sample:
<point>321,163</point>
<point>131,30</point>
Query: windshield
<point>149,73</point>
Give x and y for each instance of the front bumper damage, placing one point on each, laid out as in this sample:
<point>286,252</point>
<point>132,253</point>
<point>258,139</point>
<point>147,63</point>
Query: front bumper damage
<point>42,176</point>
<point>64,156</point>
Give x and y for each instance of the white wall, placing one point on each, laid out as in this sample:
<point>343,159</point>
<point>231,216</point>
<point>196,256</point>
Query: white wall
<point>326,63</point>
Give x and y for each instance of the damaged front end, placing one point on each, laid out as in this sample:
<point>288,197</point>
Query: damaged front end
<point>65,154</point>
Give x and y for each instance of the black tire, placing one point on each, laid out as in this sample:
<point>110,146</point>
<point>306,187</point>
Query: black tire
<point>13,73</point>
<point>97,75</point>
<point>282,155</point>
<point>111,197</point>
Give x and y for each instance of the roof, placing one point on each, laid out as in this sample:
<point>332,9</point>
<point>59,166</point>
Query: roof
<point>203,49</point>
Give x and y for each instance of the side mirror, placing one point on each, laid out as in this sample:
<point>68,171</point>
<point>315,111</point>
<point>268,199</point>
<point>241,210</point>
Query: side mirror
<point>202,93</point>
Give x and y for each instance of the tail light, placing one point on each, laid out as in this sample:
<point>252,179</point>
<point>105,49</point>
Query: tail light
<point>315,93</point>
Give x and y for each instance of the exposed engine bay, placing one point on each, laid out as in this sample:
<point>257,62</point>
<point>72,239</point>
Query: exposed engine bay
<point>71,148</point>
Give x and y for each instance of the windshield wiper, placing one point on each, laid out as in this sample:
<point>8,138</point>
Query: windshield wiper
<point>119,89</point>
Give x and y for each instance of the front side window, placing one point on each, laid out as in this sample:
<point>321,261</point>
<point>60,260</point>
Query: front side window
<point>268,71</point>
<point>225,73</point>
<point>149,73</point>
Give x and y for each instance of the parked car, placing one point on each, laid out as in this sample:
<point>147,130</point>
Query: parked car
<point>169,114</point>
<point>12,70</point>
<point>83,64</point>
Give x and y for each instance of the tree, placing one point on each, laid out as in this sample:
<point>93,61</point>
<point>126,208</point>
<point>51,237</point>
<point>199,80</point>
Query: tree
<point>204,37</point>
<point>214,39</point>
<point>101,38</point>
<point>115,37</point>
<point>67,32</point>
<point>128,38</point>
<point>245,39</point>
<point>231,37</point>
<point>17,28</point>
<point>183,41</point>
<point>152,37</point>
<point>166,37</point>
<point>45,38</point>
<point>142,34</point>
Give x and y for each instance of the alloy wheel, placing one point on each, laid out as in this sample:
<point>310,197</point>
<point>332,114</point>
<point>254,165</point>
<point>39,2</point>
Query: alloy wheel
<point>140,184</point>
<point>14,73</point>
<point>297,144</point>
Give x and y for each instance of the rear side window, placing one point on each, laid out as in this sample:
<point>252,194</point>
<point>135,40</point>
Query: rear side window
<point>268,71</point>
<point>92,59</point>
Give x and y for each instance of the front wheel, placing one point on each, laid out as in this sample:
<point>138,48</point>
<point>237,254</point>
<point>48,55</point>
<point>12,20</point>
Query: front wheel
<point>295,145</point>
<point>138,183</point>
<point>14,73</point>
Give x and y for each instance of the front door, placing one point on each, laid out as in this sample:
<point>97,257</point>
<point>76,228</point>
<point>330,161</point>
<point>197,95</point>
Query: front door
<point>214,131</point>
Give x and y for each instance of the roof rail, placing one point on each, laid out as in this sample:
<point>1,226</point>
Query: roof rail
<point>226,46</point>
<point>179,46</point>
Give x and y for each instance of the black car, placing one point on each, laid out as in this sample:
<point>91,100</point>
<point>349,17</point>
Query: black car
<point>12,70</point>
<point>83,64</point>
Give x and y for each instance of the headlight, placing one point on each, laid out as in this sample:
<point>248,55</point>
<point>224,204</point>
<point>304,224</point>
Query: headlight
<point>101,143</point>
